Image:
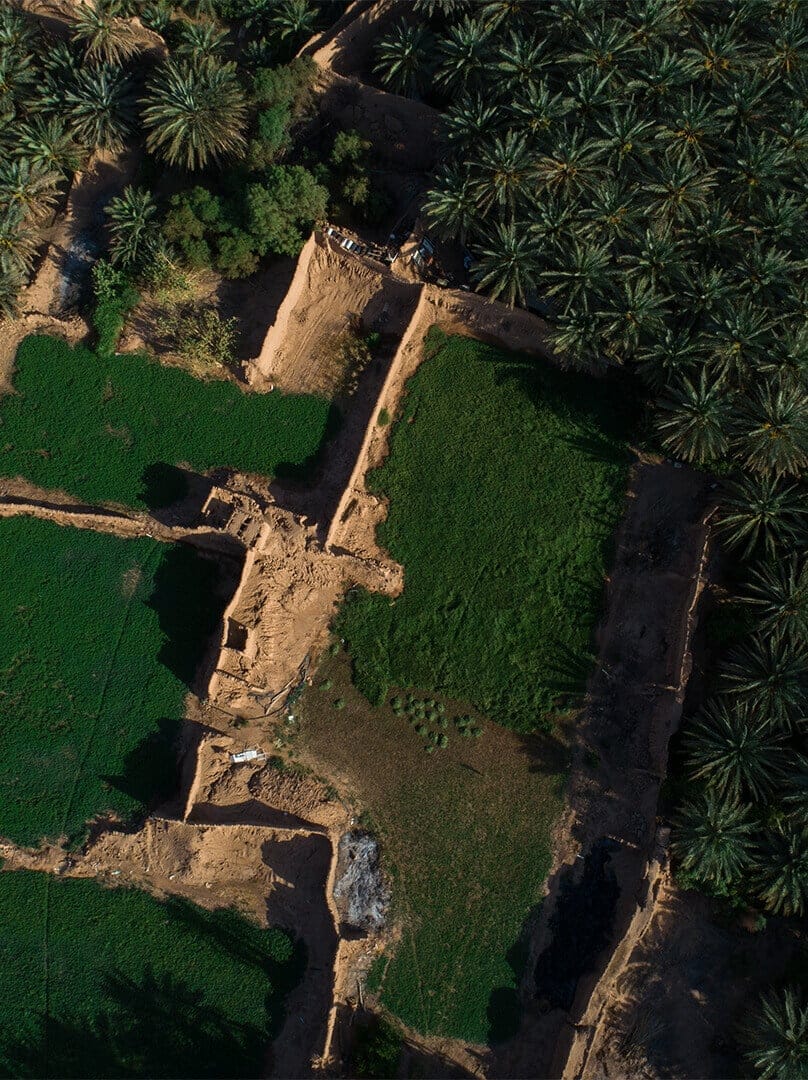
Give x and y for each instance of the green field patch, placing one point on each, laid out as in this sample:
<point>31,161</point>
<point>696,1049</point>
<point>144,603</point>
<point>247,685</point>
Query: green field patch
<point>114,428</point>
<point>98,982</point>
<point>465,833</point>
<point>99,638</point>
<point>506,480</point>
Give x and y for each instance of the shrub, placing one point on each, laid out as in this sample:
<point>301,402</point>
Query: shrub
<point>115,296</point>
<point>200,336</point>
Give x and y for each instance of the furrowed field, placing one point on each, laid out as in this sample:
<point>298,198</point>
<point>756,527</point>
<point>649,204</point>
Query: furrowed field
<point>104,428</point>
<point>506,480</point>
<point>99,638</point>
<point>114,983</point>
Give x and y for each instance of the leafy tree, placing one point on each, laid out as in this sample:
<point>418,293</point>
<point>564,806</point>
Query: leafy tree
<point>280,210</point>
<point>194,114</point>
<point>776,1035</point>
<point>714,840</point>
<point>194,218</point>
<point>695,420</point>
<point>404,58</point>
<point>781,868</point>
<point>735,752</point>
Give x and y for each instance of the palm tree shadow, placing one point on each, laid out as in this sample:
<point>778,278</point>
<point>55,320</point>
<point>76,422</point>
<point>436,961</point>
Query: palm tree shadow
<point>154,1025</point>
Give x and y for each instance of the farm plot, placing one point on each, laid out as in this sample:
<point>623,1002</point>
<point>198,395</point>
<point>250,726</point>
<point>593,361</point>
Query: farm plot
<point>465,833</point>
<point>113,982</point>
<point>113,428</point>
<point>506,479</point>
<point>99,638</point>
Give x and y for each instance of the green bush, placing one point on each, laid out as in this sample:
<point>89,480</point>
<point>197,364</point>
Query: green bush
<point>115,296</point>
<point>255,220</point>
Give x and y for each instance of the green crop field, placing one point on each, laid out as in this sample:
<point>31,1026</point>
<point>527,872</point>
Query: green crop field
<point>466,835</point>
<point>98,638</point>
<point>506,480</point>
<point>113,428</point>
<point>114,983</point>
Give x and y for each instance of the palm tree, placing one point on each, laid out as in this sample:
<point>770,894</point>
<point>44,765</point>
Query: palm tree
<point>670,356</point>
<point>451,204</point>
<point>11,281</point>
<point>779,592</point>
<point>18,243</point>
<point>707,290</point>
<point>690,128</point>
<point>768,675</point>
<point>603,44</point>
<point>760,512</point>
<point>198,41</point>
<point>718,53</point>
<point>776,1035</point>
<point>134,233</point>
<point>585,272</point>
<point>625,138</point>
<point>780,219</point>
<point>756,166</point>
<point>577,338</point>
<point>504,171</point>
<point>521,63</point>
<point>507,263</point>
<point>294,19</point>
<point>715,232</point>
<point>681,191</point>
<point>742,335</point>
<point>591,94</point>
<point>713,839</point>
<point>17,77</point>
<point>746,104</point>
<point>48,145</point>
<point>471,121</point>
<point>735,752</point>
<point>557,222</point>
<point>788,40</point>
<point>106,36</point>
<point>781,869</point>
<point>767,273</point>
<point>638,312</point>
<point>16,32</point>
<point>194,113</point>
<point>100,107</point>
<point>774,431</point>
<point>404,59</point>
<point>537,111</point>
<point>463,51</point>
<point>656,257</point>
<point>695,420</point>
<point>658,76</point>
<point>29,187</point>
<point>570,166</point>
<point>788,357</point>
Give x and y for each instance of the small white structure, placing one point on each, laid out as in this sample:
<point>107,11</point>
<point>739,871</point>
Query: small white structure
<point>248,755</point>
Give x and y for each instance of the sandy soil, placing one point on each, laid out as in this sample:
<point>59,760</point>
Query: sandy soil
<point>404,132</point>
<point>280,613</point>
<point>686,983</point>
